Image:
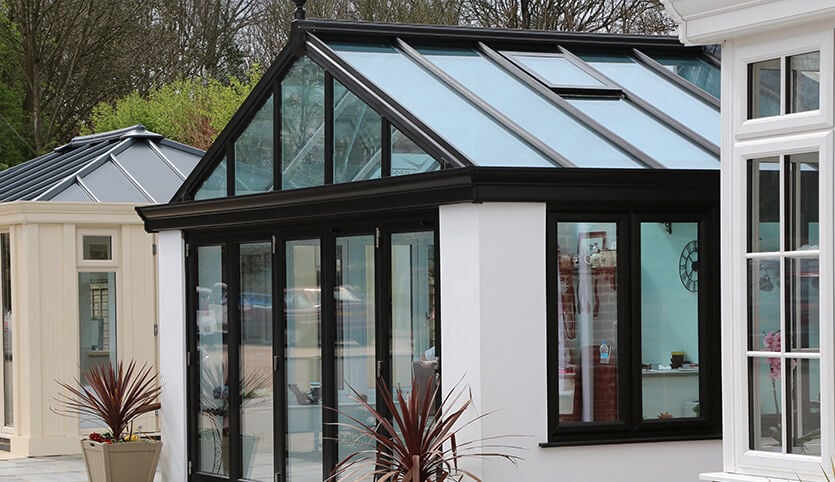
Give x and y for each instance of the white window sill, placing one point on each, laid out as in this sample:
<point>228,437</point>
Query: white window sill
<point>726,477</point>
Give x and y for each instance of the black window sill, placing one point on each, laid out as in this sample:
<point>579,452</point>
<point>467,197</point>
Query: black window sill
<point>603,440</point>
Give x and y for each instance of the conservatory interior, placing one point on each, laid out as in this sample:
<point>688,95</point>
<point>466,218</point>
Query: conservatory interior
<point>534,213</point>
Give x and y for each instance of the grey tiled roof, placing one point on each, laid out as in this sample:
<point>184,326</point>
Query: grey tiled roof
<point>125,165</point>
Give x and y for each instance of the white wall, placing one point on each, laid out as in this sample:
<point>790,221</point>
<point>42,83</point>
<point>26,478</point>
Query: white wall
<point>172,356</point>
<point>493,317</point>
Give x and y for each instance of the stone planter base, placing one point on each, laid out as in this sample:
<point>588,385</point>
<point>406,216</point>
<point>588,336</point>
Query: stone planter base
<point>121,462</point>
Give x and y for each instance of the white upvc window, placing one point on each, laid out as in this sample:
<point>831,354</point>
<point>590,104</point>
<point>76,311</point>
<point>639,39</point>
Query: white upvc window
<point>777,319</point>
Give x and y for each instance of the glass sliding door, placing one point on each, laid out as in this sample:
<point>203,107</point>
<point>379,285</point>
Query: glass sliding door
<point>355,349</point>
<point>303,359</point>
<point>256,361</point>
<point>413,354</point>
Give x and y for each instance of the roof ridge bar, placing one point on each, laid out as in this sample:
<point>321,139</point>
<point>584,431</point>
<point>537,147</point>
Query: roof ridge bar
<point>555,157</point>
<point>653,111</point>
<point>413,127</point>
<point>132,179</point>
<point>83,170</point>
<point>677,79</point>
<point>165,160</point>
<point>574,112</point>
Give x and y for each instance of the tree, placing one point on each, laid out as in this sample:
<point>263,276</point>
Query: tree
<point>13,148</point>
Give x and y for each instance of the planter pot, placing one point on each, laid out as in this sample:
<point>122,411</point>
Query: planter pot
<point>121,462</point>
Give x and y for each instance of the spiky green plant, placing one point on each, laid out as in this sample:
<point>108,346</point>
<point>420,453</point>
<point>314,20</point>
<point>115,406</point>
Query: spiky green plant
<point>114,397</point>
<point>420,443</point>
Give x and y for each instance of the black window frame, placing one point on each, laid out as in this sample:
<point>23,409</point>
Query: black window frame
<point>630,426</point>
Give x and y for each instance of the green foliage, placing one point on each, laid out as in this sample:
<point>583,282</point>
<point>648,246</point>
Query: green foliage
<point>13,149</point>
<point>191,111</point>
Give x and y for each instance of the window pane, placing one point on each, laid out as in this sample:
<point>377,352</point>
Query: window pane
<point>476,135</point>
<point>648,134</point>
<point>413,311</point>
<point>669,320</point>
<point>97,316</point>
<point>256,374</point>
<point>765,423</point>
<point>528,109</point>
<point>97,248</point>
<point>700,73</point>
<point>804,396</point>
<point>764,88</point>
<point>802,201</point>
<point>254,153</point>
<point>764,205</point>
<point>407,157</point>
<point>215,185</point>
<point>357,133</point>
<point>303,126</point>
<point>556,71</point>
<point>6,311</point>
<point>355,340</point>
<point>803,300</point>
<point>588,311</point>
<point>662,93</point>
<point>213,366</point>
<point>302,298</point>
<point>764,304</point>
<point>804,82</point>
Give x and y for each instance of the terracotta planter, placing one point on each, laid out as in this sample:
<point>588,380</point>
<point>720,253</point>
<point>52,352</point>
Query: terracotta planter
<point>121,462</point>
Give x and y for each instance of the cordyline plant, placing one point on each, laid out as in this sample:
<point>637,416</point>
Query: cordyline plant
<point>115,397</point>
<point>420,443</point>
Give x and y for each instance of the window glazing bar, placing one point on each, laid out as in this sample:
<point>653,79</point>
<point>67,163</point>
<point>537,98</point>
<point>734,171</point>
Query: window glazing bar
<point>678,80</point>
<point>563,104</point>
<point>556,158</point>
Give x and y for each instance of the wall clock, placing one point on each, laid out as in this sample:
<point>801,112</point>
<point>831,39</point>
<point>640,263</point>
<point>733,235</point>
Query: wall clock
<point>688,266</point>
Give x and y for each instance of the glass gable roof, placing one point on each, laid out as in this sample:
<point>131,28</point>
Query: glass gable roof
<point>342,110</point>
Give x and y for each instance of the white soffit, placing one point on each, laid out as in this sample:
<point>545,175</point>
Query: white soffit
<point>712,21</point>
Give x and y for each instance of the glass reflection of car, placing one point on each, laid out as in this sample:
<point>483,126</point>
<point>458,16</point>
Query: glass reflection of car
<point>304,306</point>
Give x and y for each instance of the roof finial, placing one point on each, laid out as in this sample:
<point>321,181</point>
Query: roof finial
<point>299,15</point>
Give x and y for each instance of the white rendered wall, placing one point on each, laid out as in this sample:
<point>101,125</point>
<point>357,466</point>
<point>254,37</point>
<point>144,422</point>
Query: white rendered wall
<point>172,356</point>
<point>493,320</point>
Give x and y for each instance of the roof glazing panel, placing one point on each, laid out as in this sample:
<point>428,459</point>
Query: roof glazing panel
<point>647,134</point>
<point>661,93</point>
<point>528,109</point>
<point>148,169</point>
<point>555,70</point>
<point>479,137</point>
<point>698,72</point>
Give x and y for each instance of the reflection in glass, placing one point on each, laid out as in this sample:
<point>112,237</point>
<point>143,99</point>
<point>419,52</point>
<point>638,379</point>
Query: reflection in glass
<point>804,399</point>
<point>588,311</point>
<point>407,157</point>
<point>669,320</point>
<point>6,312</point>
<point>413,311</point>
<point>764,205</point>
<point>764,88</point>
<point>557,71</point>
<point>763,304</point>
<point>254,153</point>
<point>355,340</point>
<point>802,201</point>
<point>212,359</point>
<point>698,72</point>
<point>303,126</point>
<point>764,389</point>
<point>96,248</point>
<point>357,138</point>
<point>803,314</point>
<point>215,185</point>
<point>804,82</point>
<point>97,318</point>
<point>256,308</point>
<point>528,109</point>
<point>303,356</point>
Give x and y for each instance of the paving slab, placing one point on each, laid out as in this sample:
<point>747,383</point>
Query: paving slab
<point>59,468</point>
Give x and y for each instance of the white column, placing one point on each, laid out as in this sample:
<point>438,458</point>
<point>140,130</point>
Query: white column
<point>172,356</point>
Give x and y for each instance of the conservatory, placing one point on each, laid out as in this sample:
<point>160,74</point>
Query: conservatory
<point>532,213</point>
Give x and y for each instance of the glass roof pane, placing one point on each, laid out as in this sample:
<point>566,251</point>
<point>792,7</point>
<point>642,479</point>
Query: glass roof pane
<point>357,138</point>
<point>407,157</point>
<point>643,131</point>
<point>303,126</point>
<point>661,93</point>
<point>215,185</point>
<point>483,140</point>
<point>528,109</point>
<point>556,71</point>
<point>702,74</point>
<point>254,153</point>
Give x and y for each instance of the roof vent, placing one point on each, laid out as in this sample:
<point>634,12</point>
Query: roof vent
<point>299,15</point>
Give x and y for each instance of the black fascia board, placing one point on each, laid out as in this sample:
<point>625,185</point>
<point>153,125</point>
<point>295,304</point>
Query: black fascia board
<point>578,188</point>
